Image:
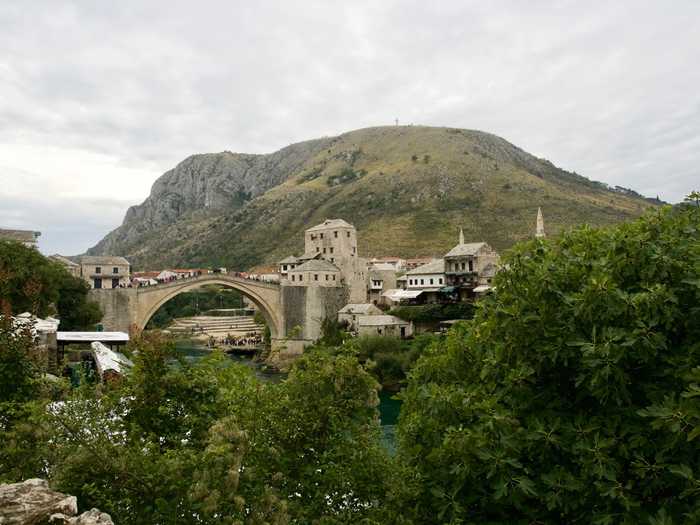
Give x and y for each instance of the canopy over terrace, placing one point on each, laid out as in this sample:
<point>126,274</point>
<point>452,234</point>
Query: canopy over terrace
<point>110,339</point>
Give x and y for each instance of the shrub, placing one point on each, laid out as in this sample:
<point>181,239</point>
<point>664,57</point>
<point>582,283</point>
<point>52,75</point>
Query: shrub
<point>573,395</point>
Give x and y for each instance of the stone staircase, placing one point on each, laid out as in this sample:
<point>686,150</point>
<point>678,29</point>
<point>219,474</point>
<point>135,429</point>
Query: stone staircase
<point>215,326</point>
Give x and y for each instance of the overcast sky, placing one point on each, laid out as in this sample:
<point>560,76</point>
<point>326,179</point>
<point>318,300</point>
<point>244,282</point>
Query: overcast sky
<point>97,98</point>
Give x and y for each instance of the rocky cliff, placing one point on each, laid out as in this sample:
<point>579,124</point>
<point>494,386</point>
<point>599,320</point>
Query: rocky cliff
<point>407,189</point>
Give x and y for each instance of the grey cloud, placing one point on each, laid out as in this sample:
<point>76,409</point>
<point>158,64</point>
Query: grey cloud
<point>607,89</point>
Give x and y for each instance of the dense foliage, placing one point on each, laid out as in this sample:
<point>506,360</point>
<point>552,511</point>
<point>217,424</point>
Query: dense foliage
<point>209,443</point>
<point>30,282</point>
<point>433,313</point>
<point>573,396</point>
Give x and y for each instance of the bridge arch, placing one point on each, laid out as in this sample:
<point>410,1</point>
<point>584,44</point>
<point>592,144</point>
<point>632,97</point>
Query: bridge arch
<point>264,295</point>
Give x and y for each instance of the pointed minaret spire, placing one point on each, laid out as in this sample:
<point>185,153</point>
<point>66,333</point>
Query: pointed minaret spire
<point>461,236</point>
<point>539,232</point>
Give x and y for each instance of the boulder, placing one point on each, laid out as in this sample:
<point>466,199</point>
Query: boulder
<point>32,502</point>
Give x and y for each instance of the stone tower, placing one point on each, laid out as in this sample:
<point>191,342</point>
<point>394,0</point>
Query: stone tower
<point>335,241</point>
<point>539,231</point>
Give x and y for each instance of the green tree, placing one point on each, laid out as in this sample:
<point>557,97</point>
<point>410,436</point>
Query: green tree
<point>23,396</point>
<point>694,197</point>
<point>573,396</point>
<point>30,282</point>
<point>209,443</point>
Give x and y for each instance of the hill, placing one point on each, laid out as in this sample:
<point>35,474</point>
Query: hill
<point>407,189</point>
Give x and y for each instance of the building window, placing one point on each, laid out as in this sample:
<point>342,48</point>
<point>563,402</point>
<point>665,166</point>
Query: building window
<point>97,283</point>
<point>335,234</point>
<point>115,283</point>
<point>98,269</point>
<point>315,277</point>
<point>354,249</point>
<point>331,248</point>
<point>321,236</point>
<point>334,277</point>
<point>324,250</point>
<point>332,259</point>
<point>431,280</point>
<point>471,266</point>
<point>301,277</point>
<point>115,270</point>
<point>326,277</point>
<point>440,280</point>
<point>421,281</point>
<point>348,234</point>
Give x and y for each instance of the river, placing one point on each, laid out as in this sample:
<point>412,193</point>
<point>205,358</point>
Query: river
<point>389,406</point>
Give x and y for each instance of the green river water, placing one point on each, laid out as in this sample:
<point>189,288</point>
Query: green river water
<point>389,407</point>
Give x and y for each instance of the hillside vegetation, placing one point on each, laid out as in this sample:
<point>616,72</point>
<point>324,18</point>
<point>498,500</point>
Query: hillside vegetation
<point>407,189</point>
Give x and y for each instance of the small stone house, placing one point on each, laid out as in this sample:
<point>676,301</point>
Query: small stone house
<point>381,277</point>
<point>105,271</point>
<point>350,313</point>
<point>470,265</point>
<point>27,237</point>
<point>71,267</point>
<point>315,272</point>
<point>384,325</point>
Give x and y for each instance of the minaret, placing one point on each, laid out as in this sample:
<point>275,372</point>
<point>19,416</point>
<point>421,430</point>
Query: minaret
<point>461,236</point>
<point>539,232</point>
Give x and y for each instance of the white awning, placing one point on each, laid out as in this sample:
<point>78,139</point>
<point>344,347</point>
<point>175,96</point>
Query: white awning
<point>398,295</point>
<point>90,337</point>
<point>106,359</point>
<point>482,288</point>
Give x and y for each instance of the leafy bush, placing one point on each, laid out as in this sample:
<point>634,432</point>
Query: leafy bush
<point>434,312</point>
<point>573,395</point>
<point>29,282</point>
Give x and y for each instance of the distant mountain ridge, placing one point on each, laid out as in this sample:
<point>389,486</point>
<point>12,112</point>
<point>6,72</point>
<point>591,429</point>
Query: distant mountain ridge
<point>408,190</point>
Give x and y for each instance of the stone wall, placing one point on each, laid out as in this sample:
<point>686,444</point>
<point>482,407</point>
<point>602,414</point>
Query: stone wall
<point>119,308</point>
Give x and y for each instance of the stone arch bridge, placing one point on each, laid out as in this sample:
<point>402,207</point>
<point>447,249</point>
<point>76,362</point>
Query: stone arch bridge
<point>293,313</point>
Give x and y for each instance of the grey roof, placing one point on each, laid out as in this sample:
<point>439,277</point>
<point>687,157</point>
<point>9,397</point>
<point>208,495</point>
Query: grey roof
<point>381,320</point>
<point>330,223</point>
<point>309,255</point>
<point>363,309</point>
<point>289,260</point>
<point>315,265</point>
<point>434,266</point>
<point>470,248</point>
<point>103,259</point>
<point>19,235</point>
<point>63,260</point>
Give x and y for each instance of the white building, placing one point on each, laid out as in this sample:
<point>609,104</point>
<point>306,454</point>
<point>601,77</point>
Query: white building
<point>429,276</point>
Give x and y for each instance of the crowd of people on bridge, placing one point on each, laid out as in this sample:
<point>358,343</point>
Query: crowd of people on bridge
<point>249,340</point>
<point>140,279</point>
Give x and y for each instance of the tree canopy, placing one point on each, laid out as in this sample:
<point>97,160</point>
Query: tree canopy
<point>30,282</point>
<point>573,395</point>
